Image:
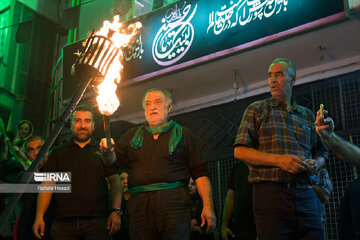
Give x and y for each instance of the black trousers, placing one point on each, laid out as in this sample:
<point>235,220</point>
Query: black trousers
<point>80,229</point>
<point>163,214</point>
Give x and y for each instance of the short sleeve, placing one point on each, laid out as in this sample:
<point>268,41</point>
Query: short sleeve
<point>247,133</point>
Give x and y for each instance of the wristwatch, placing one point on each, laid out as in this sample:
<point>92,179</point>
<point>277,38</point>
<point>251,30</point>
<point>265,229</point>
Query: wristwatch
<point>117,210</point>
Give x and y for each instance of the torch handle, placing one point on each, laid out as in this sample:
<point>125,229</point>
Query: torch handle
<point>107,132</point>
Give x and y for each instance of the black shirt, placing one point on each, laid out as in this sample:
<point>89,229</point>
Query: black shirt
<point>349,213</point>
<point>89,188</point>
<point>153,164</point>
<point>10,170</point>
<point>27,215</point>
<point>243,219</point>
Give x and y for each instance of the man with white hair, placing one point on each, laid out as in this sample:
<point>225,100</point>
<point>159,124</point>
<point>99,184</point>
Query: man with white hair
<point>160,157</point>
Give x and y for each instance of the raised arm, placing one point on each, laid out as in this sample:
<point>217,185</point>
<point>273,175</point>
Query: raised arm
<point>343,149</point>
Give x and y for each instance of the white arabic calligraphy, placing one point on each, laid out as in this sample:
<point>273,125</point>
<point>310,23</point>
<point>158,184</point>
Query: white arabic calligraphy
<point>134,50</point>
<point>175,36</point>
<point>245,12</point>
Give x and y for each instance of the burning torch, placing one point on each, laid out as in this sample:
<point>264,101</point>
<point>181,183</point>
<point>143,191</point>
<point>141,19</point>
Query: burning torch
<point>107,98</point>
<point>100,59</point>
<point>108,103</point>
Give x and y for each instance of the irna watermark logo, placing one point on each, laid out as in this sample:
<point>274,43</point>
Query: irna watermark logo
<point>52,177</point>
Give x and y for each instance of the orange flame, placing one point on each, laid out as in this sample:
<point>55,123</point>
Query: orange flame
<point>107,99</point>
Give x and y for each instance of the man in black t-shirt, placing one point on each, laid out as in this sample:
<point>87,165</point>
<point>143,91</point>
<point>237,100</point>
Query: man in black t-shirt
<point>82,213</point>
<point>161,156</point>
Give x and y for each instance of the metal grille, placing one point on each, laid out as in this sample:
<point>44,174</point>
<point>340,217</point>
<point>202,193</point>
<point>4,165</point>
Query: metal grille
<point>216,130</point>
<point>327,92</point>
<point>351,95</point>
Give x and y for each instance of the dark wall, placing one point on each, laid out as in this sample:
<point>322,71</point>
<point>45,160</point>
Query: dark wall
<point>43,46</point>
<point>31,58</point>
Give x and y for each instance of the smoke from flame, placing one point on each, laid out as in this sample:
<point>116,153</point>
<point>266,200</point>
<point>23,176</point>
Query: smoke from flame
<point>107,99</point>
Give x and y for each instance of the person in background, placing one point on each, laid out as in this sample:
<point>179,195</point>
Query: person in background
<point>197,233</point>
<point>10,170</point>
<point>27,215</point>
<point>349,213</point>
<point>343,149</point>
<point>123,233</point>
<point>349,210</point>
<point>238,219</point>
<point>25,130</point>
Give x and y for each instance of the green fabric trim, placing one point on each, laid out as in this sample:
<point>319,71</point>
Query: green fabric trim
<point>175,137</point>
<point>155,187</point>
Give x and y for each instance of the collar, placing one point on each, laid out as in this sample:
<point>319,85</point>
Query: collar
<point>92,142</point>
<point>292,107</point>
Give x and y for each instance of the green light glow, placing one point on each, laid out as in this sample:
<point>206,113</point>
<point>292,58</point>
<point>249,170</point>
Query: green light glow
<point>4,22</point>
<point>4,4</point>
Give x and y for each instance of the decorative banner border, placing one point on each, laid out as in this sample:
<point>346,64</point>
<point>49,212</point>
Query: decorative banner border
<point>191,32</point>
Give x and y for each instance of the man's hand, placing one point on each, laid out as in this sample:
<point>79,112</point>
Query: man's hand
<point>313,166</point>
<point>292,164</point>
<point>324,127</point>
<point>6,140</point>
<point>38,227</point>
<point>208,217</point>
<point>195,227</point>
<point>225,232</point>
<point>103,145</point>
<point>107,156</point>
<point>321,193</point>
<point>113,223</point>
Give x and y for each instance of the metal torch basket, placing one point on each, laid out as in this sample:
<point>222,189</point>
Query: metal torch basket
<point>99,53</point>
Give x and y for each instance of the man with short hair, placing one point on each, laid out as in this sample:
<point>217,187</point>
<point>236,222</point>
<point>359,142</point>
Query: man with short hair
<point>32,147</point>
<point>278,141</point>
<point>82,213</point>
<point>27,215</point>
<point>160,157</point>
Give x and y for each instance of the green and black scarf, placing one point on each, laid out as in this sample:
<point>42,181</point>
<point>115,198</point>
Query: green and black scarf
<point>175,137</point>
